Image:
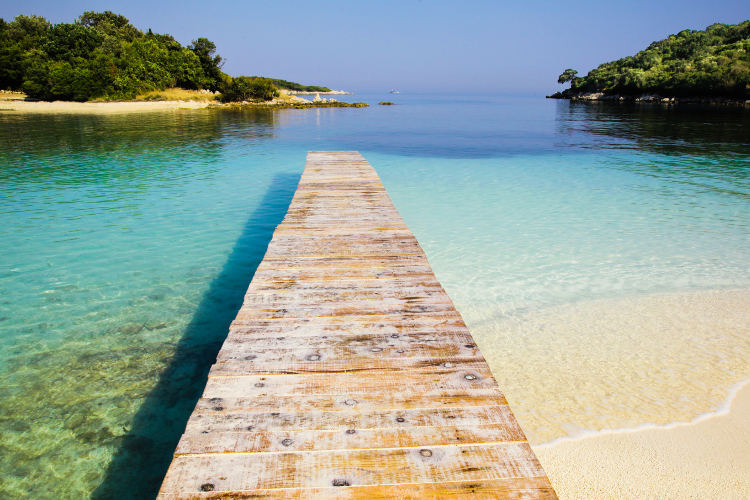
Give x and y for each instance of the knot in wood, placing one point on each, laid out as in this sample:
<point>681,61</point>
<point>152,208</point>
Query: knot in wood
<point>425,453</point>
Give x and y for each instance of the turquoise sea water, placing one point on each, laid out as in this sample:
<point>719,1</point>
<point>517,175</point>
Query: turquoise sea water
<point>127,242</point>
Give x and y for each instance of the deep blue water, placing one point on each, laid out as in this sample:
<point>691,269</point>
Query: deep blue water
<point>127,243</point>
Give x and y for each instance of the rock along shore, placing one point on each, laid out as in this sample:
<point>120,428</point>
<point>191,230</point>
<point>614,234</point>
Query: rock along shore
<point>648,98</point>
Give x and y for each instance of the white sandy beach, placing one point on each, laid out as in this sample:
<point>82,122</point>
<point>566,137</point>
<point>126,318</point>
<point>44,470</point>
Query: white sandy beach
<point>709,458</point>
<point>661,366</point>
<point>21,106</point>
<point>14,102</point>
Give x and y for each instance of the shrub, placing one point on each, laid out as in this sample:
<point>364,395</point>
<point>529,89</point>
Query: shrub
<point>285,84</point>
<point>245,88</point>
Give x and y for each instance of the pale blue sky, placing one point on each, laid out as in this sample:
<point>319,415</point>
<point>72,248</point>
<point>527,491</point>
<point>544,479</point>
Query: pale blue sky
<point>412,45</point>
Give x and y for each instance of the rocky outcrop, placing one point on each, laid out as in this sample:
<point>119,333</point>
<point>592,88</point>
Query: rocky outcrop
<point>647,98</point>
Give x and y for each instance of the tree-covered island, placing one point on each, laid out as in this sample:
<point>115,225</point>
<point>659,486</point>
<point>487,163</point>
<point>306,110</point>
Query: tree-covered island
<point>708,65</point>
<point>102,56</point>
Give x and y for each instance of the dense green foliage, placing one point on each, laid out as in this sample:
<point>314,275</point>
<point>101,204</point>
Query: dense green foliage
<point>101,55</point>
<point>567,75</point>
<point>247,88</point>
<point>713,62</point>
<point>283,84</point>
<point>256,88</point>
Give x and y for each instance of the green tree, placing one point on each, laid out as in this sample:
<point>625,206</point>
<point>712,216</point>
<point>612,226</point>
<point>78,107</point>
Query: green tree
<point>70,81</point>
<point>110,24</point>
<point>11,71</point>
<point>205,49</point>
<point>104,71</point>
<point>567,76</point>
<point>67,41</point>
<point>36,75</point>
<point>23,34</point>
<point>27,31</point>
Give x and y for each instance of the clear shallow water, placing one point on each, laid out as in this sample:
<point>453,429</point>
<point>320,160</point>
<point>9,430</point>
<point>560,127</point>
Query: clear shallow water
<point>127,243</point>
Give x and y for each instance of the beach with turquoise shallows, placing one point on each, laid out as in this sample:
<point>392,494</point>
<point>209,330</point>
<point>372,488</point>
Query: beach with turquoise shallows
<point>599,254</point>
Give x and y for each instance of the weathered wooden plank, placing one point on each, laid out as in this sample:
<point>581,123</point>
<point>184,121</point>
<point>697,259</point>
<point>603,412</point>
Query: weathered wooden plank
<point>217,418</point>
<point>348,373</point>
<point>351,331</point>
<point>351,384</point>
<point>365,402</point>
<point>343,290</point>
<point>208,440</point>
<point>247,471</point>
<point>384,322</point>
<point>335,265</point>
<point>320,361</point>
<point>256,347</point>
<point>374,307</point>
<point>511,489</point>
<point>367,282</point>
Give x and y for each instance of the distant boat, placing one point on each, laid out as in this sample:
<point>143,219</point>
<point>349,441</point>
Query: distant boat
<point>394,91</point>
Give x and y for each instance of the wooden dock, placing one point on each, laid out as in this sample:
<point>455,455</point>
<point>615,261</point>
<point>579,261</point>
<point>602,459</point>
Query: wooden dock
<point>348,373</point>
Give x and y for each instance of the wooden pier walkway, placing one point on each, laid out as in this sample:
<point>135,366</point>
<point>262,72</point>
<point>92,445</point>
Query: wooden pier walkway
<point>348,373</point>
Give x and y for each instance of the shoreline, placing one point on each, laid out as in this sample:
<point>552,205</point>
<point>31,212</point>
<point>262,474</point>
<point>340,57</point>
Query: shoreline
<point>648,395</point>
<point>706,458</point>
<point>721,410</point>
<point>51,107</point>
<point>646,98</point>
<point>618,363</point>
<point>10,106</point>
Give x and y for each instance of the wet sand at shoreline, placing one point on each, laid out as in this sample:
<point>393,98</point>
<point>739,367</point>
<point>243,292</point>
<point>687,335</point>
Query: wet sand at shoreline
<point>709,458</point>
<point>619,363</point>
<point>628,398</point>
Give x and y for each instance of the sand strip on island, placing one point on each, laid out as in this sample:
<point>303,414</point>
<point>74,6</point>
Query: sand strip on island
<point>68,107</point>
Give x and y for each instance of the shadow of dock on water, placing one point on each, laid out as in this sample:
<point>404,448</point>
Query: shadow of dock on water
<point>139,465</point>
